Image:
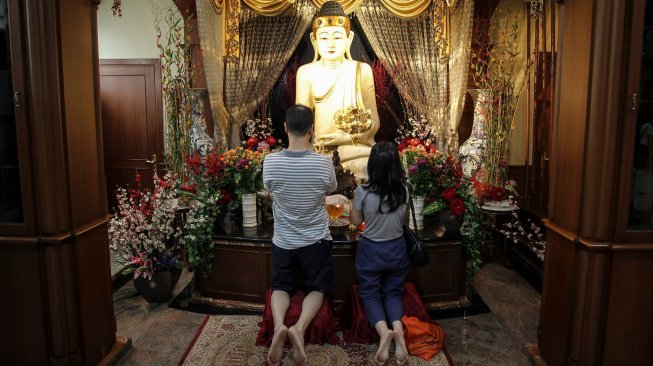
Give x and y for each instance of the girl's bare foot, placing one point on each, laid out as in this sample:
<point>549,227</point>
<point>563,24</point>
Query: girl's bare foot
<point>382,354</point>
<point>401,353</point>
<point>297,339</point>
<point>276,347</point>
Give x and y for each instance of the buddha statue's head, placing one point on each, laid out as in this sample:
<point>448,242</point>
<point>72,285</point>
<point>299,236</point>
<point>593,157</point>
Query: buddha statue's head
<point>331,36</point>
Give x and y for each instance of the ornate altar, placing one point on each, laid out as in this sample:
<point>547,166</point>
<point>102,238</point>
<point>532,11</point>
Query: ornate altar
<point>242,267</point>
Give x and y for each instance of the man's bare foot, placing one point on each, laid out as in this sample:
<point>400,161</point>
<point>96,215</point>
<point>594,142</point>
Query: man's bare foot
<point>276,347</point>
<point>382,354</point>
<point>297,339</point>
<point>401,353</point>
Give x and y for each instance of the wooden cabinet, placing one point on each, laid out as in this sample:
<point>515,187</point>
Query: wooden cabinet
<point>596,296</point>
<point>635,208</point>
<point>54,255</point>
<point>15,179</point>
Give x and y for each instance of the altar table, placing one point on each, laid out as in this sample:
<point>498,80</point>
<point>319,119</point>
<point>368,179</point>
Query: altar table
<point>242,267</point>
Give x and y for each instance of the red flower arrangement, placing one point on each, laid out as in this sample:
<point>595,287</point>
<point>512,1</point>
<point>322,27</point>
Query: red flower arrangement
<point>491,194</point>
<point>206,173</point>
<point>436,176</point>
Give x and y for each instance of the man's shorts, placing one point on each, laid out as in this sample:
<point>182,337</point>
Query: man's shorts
<point>315,262</point>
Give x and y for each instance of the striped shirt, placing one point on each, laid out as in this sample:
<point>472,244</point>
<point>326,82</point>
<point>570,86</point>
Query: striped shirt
<point>300,181</point>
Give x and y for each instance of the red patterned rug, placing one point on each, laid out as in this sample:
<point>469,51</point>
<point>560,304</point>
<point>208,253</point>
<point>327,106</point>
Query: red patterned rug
<point>230,340</point>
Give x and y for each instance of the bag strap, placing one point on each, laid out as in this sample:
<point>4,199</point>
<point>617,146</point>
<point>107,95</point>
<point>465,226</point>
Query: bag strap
<point>412,212</point>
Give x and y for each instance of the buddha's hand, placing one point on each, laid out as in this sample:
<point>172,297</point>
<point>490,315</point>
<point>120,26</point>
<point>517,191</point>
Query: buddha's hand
<point>337,138</point>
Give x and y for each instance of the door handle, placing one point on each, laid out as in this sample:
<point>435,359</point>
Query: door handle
<point>634,108</point>
<point>153,161</point>
<point>18,99</point>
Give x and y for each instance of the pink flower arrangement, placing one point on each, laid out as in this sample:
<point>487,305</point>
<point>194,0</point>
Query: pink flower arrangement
<point>415,133</point>
<point>143,227</point>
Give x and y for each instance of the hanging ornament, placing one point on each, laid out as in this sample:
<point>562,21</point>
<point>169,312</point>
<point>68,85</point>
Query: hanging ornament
<point>117,8</point>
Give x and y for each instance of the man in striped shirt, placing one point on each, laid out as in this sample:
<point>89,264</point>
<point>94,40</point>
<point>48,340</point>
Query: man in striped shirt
<point>300,180</point>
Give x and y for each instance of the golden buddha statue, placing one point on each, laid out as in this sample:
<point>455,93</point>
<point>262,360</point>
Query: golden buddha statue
<point>340,90</point>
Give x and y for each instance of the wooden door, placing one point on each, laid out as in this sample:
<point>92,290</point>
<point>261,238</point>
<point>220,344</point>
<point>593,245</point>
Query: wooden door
<point>132,120</point>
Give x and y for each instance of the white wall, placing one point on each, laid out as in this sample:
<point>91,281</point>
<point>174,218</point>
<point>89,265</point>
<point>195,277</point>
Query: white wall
<point>132,35</point>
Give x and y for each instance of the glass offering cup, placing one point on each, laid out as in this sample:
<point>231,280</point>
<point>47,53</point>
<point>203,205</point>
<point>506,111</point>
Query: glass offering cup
<point>336,206</point>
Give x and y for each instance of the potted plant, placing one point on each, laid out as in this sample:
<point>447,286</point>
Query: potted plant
<point>498,69</point>
<point>143,232</point>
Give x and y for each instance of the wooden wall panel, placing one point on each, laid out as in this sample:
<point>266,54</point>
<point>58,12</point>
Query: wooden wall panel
<point>572,99</point>
<point>557,294</point>
<point>21,309</point>
<point>77,64</point>
<point>587,321</point>
<point>61,308</point>
<point>629,334</point>
<point>94,288</point>
<point>43,97</point>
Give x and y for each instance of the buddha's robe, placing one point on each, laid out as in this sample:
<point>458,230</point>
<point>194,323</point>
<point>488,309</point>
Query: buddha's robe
<point>332,91</point>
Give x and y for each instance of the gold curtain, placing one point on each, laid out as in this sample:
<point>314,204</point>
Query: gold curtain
<point>460,43</point>
<point>210,26</point>
<point>408,50</point>
<point>405,9</point>
<point>266,43</point>
<point>348,5</point>
<point>269,7</point>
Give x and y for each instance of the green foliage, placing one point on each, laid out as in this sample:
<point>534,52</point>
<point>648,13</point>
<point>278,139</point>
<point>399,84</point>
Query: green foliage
<point>198,231</point>
<point>177,73</point>
<point>473,231</point>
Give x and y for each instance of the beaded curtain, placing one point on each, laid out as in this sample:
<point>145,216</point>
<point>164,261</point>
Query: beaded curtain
<point>266,43</point>
<point>408,50</point>
<point>210,26</point>
<point>461,15</point>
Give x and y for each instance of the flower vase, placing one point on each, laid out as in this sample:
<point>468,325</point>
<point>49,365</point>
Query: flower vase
<point>418,207</point>
<point>471,150</point>
<point>448,221</point>
<point>159,288</point>
<point>249,210</point>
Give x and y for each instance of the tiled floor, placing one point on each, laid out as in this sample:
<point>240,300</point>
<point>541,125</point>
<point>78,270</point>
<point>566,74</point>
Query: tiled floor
<point>160,335</point>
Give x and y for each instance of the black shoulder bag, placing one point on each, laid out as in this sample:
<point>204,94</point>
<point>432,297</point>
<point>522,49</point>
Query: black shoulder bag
<point>416,253</point>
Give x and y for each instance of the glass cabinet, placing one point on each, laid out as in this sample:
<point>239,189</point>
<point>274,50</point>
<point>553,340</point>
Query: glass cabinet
<point>15,192</point>
<point>640,215</point>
